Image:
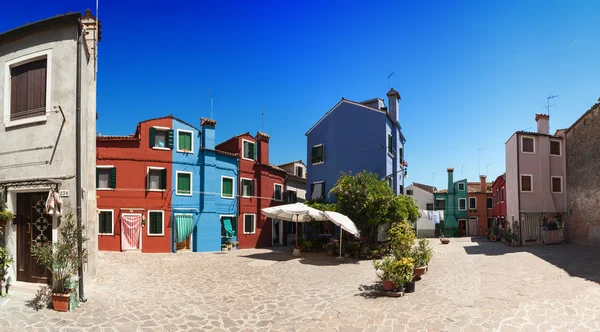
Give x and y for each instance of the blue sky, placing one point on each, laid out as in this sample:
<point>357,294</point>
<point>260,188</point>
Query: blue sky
<point>470,74</point>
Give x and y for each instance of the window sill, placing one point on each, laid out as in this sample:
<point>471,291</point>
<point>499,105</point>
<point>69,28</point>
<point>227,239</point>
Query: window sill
<point>249,233</point>
<point>178,194</point>
<point>105,189</point>
<point>246,196</point>
<point>35,119</point>
<point>159,148</point>
<point>157,190</point>
<point>556,155</point>
<point>185,151</point>
<point>227,197</point>
<point>155,235</point>
<point>106,234</point>
<point>249,159</point>
<point>526,152</point>
<point>319,163</point>
<point>391,155</point>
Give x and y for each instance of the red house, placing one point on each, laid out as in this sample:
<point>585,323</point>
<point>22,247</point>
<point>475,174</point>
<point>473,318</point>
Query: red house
<point>131,214</point>
<point>261,185</point>
<point>499,192</point>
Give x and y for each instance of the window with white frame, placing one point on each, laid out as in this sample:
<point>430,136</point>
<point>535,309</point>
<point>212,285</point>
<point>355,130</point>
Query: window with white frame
<point>161,138</point>
<point>183,183</point>
<point>472,203</point>
<point>557,184</point>
<point>247,187</point>
<point>461,186</point>
<point>227,187</point>
<point>228,226</point>
<point>526,182</point>
<point>249,223</point>
<point>527,144</point>
<point>105,222</point>
<point>185,141</point>
<point>462,204</point>
<point>156,221</point>
<point>555,148</point>
<point>106,177</point>
<point>157,178</point>
<point>278,192</point>
<point>317,154</point>
<point>248,150</point>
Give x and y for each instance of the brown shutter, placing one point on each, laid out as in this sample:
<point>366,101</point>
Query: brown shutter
<point>28,90</point>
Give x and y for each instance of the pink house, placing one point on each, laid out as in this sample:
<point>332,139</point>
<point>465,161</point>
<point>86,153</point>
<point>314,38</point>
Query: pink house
<point>535,182</point>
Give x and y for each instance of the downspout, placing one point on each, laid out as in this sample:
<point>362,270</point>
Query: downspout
<point>518,194</point>
<point>78,158</point>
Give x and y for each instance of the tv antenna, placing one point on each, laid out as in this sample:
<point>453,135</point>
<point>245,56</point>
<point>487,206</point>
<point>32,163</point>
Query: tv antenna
<point>548,104</point>
<point>263,118</point>
<point>211,102</point>
<point>390,76</point>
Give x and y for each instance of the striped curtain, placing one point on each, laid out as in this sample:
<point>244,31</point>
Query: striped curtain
<point>131,226</point>
<point>185,226</point>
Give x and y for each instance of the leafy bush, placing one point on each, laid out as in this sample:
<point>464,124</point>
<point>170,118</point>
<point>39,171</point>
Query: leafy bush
<point>5,260</point>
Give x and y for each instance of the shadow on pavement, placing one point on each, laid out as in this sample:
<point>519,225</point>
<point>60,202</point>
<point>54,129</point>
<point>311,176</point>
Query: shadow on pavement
<point>285,254</point>
<point>577,261</point>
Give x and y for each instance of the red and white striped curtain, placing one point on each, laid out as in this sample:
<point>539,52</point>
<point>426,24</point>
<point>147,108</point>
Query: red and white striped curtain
<point>131,226</point>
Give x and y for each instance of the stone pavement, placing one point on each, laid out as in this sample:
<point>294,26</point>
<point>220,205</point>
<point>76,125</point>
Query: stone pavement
<point>470,286</point>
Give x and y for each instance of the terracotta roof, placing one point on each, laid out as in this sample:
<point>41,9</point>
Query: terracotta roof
<point>596,105</point>
<point>207,122</point>
<point>293,162</point>
<point>442,191</point>
<point>533,133</point>
<point>295,177</point>
<point>114,137</point>
<point>275,167</point>
<point>425,187</point>
<point>232,138</point>
<point>474,187</point>
<point>261,135</point>
<point>224,153</point>
<point>393,92</point>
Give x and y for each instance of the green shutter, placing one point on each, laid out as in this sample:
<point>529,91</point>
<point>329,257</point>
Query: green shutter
<point>113,177</point>
<point>152,136</point>
<point>163,178</point>
<point>170,139</point>
<point>253,151</point>
<point>187,141</point>
<point>227,187</point>
<point>97,177</point>
<point>251,187</point>
<point>183,184</point>
<point>155,223</point>
<point>101,222</point>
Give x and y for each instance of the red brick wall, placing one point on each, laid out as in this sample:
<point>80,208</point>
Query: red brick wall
<point>481,212</point>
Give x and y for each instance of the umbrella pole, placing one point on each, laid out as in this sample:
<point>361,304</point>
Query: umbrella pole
<point>341,241</point>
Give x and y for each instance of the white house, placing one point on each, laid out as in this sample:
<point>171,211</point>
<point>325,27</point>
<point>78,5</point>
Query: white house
<point>423,197</point>
<point>295,191</point>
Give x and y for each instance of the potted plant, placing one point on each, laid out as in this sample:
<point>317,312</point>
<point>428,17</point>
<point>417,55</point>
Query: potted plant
<point>5,215</point>
<point>386,271</point>
<point>223,247</point>
<point>404,274</point>
<point>62,259</point>
<point>369,253</point>
<point>5,260</point>
<point>235,244</point>
<point>427,251</point>
<point>444,240</point>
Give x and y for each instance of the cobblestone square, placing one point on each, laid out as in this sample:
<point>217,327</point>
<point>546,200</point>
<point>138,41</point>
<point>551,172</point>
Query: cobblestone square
<point>470,286</point>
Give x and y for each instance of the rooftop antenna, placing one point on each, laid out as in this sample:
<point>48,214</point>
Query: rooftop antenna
<point>96,41</point>
<point>526,129</point>
<point>548,106</point>
<point>211,102</point>
<point>390,76</point>
<point>263,118</point>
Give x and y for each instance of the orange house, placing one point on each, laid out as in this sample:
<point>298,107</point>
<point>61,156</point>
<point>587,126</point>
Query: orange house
<point>480,206</point>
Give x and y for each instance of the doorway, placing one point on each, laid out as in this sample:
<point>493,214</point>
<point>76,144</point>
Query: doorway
<point>462,227</point>
<point>34,226</point>
<point>277,232</point>
<point>473,225</point>
<point>131,231</point>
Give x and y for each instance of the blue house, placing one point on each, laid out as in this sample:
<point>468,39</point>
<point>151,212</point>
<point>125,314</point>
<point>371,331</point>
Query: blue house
<point>218,193</point>
<point>352,137</point>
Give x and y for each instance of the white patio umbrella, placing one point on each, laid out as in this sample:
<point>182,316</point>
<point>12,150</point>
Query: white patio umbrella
<point>297,212</point>
<point>344,222</point>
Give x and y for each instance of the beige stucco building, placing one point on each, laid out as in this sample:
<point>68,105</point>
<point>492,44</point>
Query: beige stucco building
<point>47,73</point>
<point>295,191</point>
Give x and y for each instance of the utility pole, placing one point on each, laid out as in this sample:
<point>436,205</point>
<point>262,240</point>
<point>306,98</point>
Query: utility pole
<point>478,163</point>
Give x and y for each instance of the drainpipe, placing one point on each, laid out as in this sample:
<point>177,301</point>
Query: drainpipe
<point>78,157</point>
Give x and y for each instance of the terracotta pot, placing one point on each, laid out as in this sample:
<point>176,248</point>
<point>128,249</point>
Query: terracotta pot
<point>419,271</point>
<point>389,285</point>
<point>445,241</point>
<point>60,302</point>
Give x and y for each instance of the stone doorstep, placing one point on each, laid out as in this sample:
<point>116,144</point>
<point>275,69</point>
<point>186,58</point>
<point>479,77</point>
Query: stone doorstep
<point>20,287</point>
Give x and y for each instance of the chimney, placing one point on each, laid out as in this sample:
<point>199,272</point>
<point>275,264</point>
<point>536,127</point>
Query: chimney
<point>482,184</point>
<point>450,180</point>
<point>88,21</point>
<point>543,126</point>
<point>208,133</point>
<point>394,104</point>
<point>263,147</point>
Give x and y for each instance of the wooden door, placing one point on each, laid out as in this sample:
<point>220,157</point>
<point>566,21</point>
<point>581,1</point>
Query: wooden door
<point>185,244</point>
<point>34,226</point>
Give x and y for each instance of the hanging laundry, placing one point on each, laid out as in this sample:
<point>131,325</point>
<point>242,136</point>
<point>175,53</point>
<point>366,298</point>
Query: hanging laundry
<point>54,203</point>
<point>441,212</point>
<point>436,217</point>
<point>131,226</point>
<point>430,215</point>
<point>185,226</point>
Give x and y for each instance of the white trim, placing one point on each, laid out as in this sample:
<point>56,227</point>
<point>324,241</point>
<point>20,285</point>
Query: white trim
<point>314,146</point>
<point>463,184</point>
<point>159,148</point>
<point>470,208</point>
<point>466,204</point>
<point>112,215</point>
<point>338,104</point>
<point>105,166</point>
<point>254,224</point>
<point>191,237</point>
<point>242,187</point>
<point>142,226</point>
<point>148,169</point>
<point>232,187</point>
<point>280,192</point>
<point>521,183</point>
<point>162,128</point>
<point>191,140</point>
<point>255,149</point>
<point>163,223</point>
<point>525,136</point>
<point>559,146</point>
<point>191,183</point>
<point>133,209</point>
<point>47,54</point>
<point>232,216</point>
<point>561,185</point>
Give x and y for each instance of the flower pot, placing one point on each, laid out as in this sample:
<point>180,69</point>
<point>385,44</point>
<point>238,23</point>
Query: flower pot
<point>223,249</point>
<point>445,241</point>
<point>419,271</point>
<point>389,285</point>
<point>409,287</point>
<point>60,302</point>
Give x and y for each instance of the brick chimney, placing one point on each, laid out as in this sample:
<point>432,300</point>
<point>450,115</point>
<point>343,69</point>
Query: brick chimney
<point>208,133</point>
<point>450,180</point>
<point>482,184</point>
<point>543,126</point>
<point>394,104</point>
<point>263,147</point>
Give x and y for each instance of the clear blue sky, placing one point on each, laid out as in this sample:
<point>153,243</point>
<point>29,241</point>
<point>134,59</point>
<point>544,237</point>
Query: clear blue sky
<point>470,74</point>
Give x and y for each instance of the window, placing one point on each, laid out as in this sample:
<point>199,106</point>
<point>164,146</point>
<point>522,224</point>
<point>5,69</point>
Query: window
<point>317,191</point>
<point>247,187</point>
<point>299,171</point>
<point>490,203</point>
<point>249,224</point>
<point>26,96</point>
<point>278,192</point>
<point>248,150</point>
<point>429,206</point>
<point>105,222</point>
<point>527,144</point>
<point>526,183</point>
<point>155,223</point>
<point>106,177</point>
<point>401,154</point>
<point>185,141</point>
<point>409,192</point>
<point>472,202</point>
<point>557,184</point>
<point>462,204</point>
<point>161,138</point>
<point>184,183</point>
<point>157,178</point>
<point>440,204</point>
<point>555,149</point>
<point>291,196</point>
<point>390,145</point>
<point>228,226</point>
<point>226,187</point>
<point>461,186</point>
<point>502,191</point>
<point>318,154</point>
